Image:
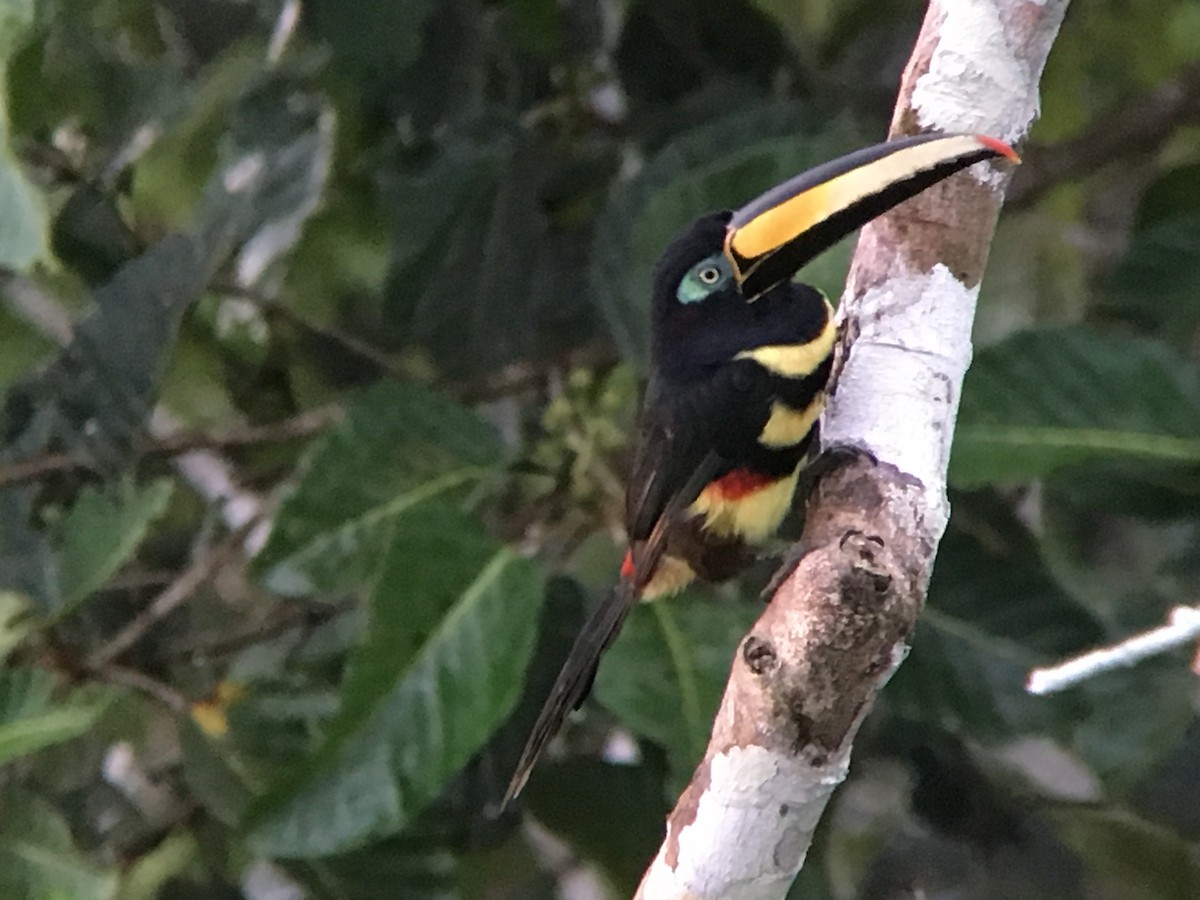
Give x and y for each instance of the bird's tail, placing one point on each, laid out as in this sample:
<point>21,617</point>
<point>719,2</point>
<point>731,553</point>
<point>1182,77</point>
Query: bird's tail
<point>575,680</point>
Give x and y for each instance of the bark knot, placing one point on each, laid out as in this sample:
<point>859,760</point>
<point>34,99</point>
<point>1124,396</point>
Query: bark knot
<point>759,655</point>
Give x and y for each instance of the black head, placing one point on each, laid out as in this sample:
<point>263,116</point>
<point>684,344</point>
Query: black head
<point>722,287</point>
<point>701,319</point>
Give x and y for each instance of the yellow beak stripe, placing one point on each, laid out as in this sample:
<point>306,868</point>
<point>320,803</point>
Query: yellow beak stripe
<point>776,226</point>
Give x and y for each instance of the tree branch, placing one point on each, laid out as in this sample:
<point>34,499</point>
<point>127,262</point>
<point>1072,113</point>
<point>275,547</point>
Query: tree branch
<point>355,346</point>
<point>805,676</point>
<point>206,564</point>
<point>209,474</point>
<point>1183,627</point>
<point>143,683</point>
<point>1142,124</point>
<point>302,425</point>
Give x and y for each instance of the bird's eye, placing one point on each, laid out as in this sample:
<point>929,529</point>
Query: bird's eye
<point>703,279</point>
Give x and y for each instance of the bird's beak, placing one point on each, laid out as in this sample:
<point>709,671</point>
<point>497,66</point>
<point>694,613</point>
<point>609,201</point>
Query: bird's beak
<point>773,236</point>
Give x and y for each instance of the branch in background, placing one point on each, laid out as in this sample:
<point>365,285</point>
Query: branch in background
<point>141,682</point>
<point>32,303</point>
<point>511,379</point>
<point>385,362</point>
<point>835,630</point>
<point>203,567</point>
<point>1183,627</point>
<point>279,621</point>
<point>305,424</point>
<point>518,377</point>
<point>210,475</point>
<point>284,30</point>
<point>301,425</point>
<point>1141,125</point>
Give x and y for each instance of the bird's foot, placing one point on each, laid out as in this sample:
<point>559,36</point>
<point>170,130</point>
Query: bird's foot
<point>830,460</point>
<point>788,562</point>
<point>835,456</point>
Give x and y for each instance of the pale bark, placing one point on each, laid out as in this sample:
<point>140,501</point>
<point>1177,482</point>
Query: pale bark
<point>804,677</point>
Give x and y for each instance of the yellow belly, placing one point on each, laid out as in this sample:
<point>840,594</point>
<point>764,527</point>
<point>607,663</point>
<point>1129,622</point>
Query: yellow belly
<point>787,427</point>
<point>752,517</point>
<point>672,576</point>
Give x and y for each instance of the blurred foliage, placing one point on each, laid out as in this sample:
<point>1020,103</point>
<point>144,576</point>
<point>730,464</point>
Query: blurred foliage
<point>377,275</point>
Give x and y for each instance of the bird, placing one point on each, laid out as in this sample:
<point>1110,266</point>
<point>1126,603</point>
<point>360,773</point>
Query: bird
<point>740,360</point>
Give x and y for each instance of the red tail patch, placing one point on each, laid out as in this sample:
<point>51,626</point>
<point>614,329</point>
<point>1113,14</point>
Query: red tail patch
<point>627,565</point>
<point>740,483</point>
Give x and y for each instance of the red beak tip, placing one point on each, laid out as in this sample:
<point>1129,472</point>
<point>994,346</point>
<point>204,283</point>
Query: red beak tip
<point>999,147</point>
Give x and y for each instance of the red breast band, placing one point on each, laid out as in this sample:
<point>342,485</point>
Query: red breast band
<point>739,483</point>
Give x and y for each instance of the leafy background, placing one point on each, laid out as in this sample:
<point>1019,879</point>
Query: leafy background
<point>320,345</point>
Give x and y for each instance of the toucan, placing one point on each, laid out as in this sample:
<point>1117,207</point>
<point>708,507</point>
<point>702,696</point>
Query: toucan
<point>740,359</point>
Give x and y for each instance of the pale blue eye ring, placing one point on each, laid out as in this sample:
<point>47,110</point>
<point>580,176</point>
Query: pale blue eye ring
<point>704,278</point>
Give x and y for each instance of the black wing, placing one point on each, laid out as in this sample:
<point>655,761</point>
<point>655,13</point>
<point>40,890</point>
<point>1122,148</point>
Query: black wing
<point>702,429</point>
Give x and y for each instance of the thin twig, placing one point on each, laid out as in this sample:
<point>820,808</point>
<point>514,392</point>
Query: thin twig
<point>1183,628</point>
<point>278,622</point>
<point>40,467</point>
<point>285,28</point>
<point>518,377</point>
<point>301,425</point>
<point>140,681</point>
<point>32,303</point>
<point>305,424</point>
<point>349,342</point>
<point>211,475</point>
<point>511,379</point>
<point>171,598</point>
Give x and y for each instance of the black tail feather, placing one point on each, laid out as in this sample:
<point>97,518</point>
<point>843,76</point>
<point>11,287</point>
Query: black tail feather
<point>575,680</point>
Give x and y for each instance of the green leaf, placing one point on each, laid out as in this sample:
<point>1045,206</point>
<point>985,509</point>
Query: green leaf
<point>371,40</point>
<point>31,719</point>
<point>15,18</point>
<point>692,175</point>
<point>535,25</point>
<point>28,564</point>
<point>806,24</point>
<point>1046,398</point>
<point>395,869</point>
<point>1154,285</point>
<point>1137,716</point>
<point>664,675</point>
<point>151,875</point>
<point>1131,857</point>
<point>482,274</point>
<point>38,859</point>
<point>101,532</point>
<point>1119,556</point>
<point>398,446</point>
<point>13,624</point>
<point>610,814</point>
<point>172,174</point>
<point>95,398</point>
<point>23,219</point>
<point>215,774</point>
<point>994,612</point>
<point>273,166</point>
<point>453,616</point>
